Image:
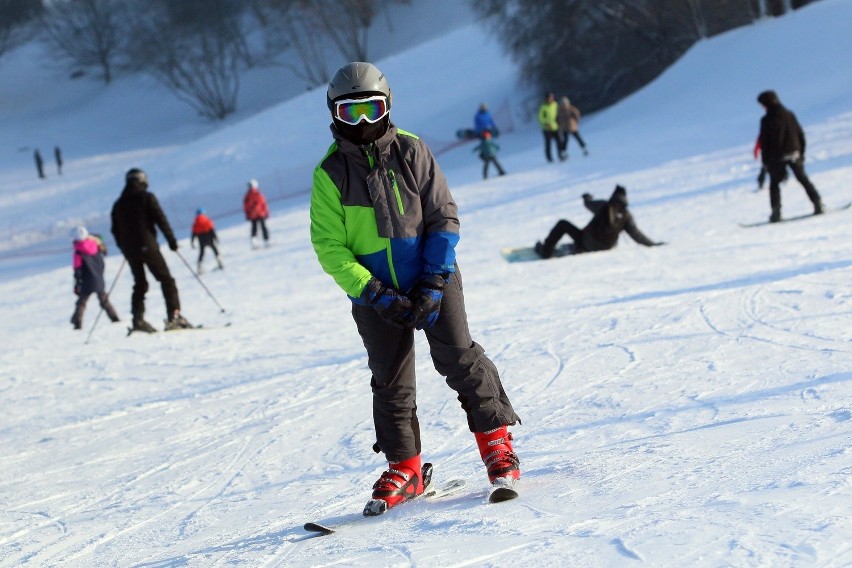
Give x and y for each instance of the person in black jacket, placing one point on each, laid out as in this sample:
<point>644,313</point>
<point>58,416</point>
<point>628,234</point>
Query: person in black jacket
<point>782,145</point>
<point>611,217</point>
<point>135,218</point>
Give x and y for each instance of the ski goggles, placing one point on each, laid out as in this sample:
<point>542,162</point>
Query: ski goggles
<point>353,111</point>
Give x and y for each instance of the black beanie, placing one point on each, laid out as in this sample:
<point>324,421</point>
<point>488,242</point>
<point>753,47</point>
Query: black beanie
<point>768,98</point>
<point>619,196</point>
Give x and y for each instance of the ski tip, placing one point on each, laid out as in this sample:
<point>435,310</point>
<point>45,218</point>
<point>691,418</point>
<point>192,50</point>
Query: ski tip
<point>502,494</point>
<point>318,528</point>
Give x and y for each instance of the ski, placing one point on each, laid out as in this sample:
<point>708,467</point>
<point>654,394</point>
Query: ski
<point>797,217</point>
<point>130,330</point>
<point>321,529</point>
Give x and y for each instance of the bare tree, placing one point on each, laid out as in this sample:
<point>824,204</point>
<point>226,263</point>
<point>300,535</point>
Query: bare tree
<point>195,48</point>
<point>16,17</point>
<point>86,32</point>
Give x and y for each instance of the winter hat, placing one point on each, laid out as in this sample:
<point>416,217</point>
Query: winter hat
<point>199,211</point>
<point>486,134</point>
<point>252,183</point>
<point>619,196</point>
<point>768,98</point>
<point>483,107</point>
<point>79,233</point>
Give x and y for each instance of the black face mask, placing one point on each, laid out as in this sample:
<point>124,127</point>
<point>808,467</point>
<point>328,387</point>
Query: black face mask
<point>363,133</point>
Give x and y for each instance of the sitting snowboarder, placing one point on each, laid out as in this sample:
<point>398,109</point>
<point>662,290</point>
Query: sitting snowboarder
<point>610,218</point>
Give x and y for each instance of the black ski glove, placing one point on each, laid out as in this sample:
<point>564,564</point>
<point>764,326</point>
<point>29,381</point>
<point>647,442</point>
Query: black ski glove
<point>427,295</point>
<point>392,306</point>
<point>173,244</point>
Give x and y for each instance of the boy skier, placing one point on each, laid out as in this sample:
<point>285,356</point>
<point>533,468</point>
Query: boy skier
<point>385,227</point>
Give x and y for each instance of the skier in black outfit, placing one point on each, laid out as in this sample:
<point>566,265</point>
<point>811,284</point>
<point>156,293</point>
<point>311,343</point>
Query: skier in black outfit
<point>782,146</point>
<point>611,217</point>
<point>135,218</point>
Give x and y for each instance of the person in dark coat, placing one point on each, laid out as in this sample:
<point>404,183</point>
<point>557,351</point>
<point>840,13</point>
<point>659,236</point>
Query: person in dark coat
<point>39,164</point>
<point>610,218</point>
<point>782,146</point>
<point>88,264</point>
<point>57,153</point>
<point>136,216</point>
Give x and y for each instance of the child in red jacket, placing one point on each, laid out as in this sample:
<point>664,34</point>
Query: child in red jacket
<point>205,232</point>
<point>254,205</point>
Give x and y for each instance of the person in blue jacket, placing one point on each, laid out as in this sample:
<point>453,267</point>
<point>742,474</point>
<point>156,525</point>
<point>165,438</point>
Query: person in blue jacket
<point>484,122</point>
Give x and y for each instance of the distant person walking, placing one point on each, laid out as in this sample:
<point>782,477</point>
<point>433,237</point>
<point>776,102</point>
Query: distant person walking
<point>257,211</point>
<point>782,146</point>
<point>568,118</point>
<point>549,127</point>
<point>488,149</point>
<point>57,153</point>
<point>88,264</point>
<point>136,216</point>
<point>205,232</point>
<point>39,164</point>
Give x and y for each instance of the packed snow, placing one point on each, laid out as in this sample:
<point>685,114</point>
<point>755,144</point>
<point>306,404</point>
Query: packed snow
<point>682,405</point>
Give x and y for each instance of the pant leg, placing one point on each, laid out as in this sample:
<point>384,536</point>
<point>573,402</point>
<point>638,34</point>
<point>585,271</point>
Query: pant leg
<point>485,162</point>
<point>390,356</point>
<point>579,139</point>
<point>777,172</point>
<point>499,167</point>
<point>264,230</point>
<point>254,223</point>
<point>103,299</point>
<point>798,169</point>
<point>549,139</point>
<point>79,310</point>
<point>562,228</point>
<point>463,363</point>
<point>160,271</point>
<point>201,246</point>
<point>140,287</point>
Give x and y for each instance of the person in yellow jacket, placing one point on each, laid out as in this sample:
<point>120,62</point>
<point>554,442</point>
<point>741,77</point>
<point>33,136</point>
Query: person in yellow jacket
<point>549,127</point>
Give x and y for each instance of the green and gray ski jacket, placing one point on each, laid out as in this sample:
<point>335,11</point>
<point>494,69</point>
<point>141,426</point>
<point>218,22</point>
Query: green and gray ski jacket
<point>382,210</point>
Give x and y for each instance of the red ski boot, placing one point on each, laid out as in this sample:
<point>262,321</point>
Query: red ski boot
<point>401,482</point>
<point>495,448</point>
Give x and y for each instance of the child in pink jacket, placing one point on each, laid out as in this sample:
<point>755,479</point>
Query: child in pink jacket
<point>88,264</point>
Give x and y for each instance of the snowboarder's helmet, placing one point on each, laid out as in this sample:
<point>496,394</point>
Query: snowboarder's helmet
<point>136,175</point>
<point>252,183</point>
<point>79,233</point>
<point>357,78</point>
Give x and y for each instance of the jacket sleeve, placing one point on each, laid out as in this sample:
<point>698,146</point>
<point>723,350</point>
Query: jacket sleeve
<point>440,214</point>
<point>328,237</point>
<point>631,229</point>
<point>594,205</point>
<point>160,219</point>
<point>801,134</point>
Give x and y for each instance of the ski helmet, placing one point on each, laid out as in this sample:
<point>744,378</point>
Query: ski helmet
<point>137,175</point>
<point>79,233</point>
<point>252,183</point>
<point>357,78</point>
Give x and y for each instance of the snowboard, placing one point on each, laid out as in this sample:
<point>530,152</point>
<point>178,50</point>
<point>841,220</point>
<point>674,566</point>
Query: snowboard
<point>470,134</point>
<point>526,254</point>
<point>797,217</point>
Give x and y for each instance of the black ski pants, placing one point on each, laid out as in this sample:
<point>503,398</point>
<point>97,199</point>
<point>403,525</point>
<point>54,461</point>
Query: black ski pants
<point>560,229</point>
<point>255,223</point>
<point>778,173</point>
<point>551,138</point>
<point>80,307</point>
<point>472,375</point>
<point>153,259</point>
<point>491,160</point>
<point>206,240</point>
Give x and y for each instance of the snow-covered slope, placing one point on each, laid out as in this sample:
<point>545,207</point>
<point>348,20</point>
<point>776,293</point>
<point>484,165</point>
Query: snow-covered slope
<point>682,405</point>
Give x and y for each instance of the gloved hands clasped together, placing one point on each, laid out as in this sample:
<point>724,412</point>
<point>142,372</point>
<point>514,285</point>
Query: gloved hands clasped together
<point>418,309</point>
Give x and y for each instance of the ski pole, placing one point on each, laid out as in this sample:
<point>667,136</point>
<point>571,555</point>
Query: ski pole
<point>114,281</point>
<point>197,277</point>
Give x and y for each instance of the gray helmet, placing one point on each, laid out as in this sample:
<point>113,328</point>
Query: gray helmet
<point>357,78</point>
<point>136,175</point>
